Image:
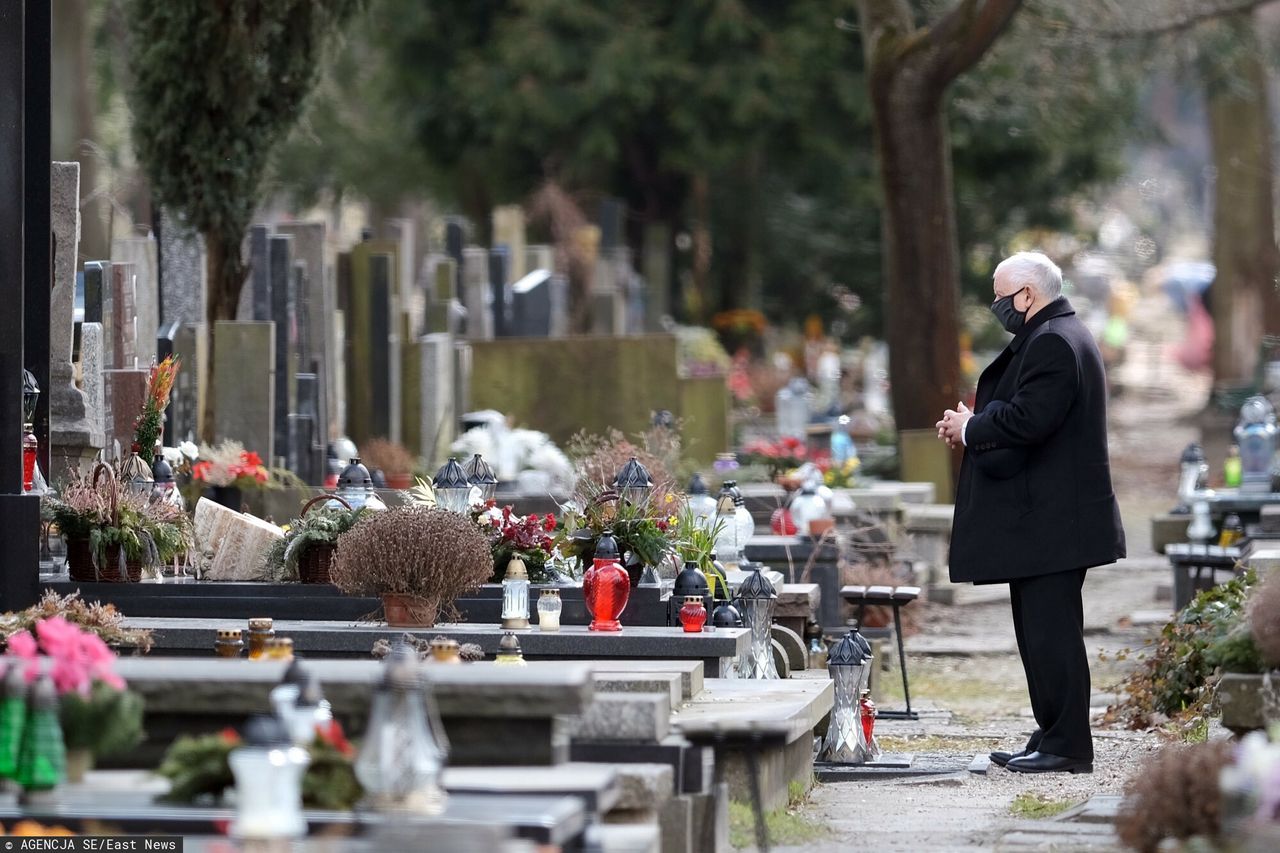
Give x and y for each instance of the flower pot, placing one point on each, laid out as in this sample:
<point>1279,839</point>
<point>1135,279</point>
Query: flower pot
<point>79,560</point>
<point>400,481</point>
<point>408,611</point>
<point>228,496</point>
<point>819,526</point>
<point>313,563</point>
<point>79,762</point>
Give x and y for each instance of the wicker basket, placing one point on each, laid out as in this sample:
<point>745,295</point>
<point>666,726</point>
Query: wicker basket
<point>79,560</point>
<point>314,561</point>
<point>80,554</point>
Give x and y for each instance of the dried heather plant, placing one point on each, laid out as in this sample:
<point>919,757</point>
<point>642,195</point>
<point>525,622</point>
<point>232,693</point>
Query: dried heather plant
<point>95,617</point>
<point>433,554</point>
<point>1264,619</point>
<point>1174,794</point>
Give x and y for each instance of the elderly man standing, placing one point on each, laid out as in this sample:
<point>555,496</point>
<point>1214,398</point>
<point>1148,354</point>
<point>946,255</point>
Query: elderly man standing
<point>1034,504</point>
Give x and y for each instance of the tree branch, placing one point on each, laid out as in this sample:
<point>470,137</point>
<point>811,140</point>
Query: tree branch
<point>1178,25</point>
<point>965,33</point>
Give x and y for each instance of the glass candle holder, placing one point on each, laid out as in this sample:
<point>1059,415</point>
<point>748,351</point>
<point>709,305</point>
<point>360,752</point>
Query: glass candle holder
<point>515,596</point>
<point>693,615</point>
<point>549,609</point>
<point>606,587</point>
<point>230,643</point>
<point>445,650</point>
<point>260,631</point>
<point>279,648</point>
<point>268,769</point>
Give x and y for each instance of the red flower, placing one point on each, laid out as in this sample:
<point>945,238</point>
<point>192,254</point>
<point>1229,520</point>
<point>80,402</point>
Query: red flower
<point>549,523</point>
<point>332,735</point>
<point>250,459</point>
<point>200,470</point>
<point>230,736</point>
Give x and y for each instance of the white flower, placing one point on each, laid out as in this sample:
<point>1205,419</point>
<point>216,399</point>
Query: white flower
<point>189,450</point>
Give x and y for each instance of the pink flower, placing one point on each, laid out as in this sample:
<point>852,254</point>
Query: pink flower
<point>58,637</point>
<point>70,676</point>
<point>23,645</point>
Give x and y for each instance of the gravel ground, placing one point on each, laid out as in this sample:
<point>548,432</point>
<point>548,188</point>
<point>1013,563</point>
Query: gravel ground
<point>964,653</point>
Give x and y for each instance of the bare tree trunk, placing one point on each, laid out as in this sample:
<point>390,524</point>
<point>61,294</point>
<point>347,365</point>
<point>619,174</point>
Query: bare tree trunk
<point>1245,300</point>
<point>910,70</point>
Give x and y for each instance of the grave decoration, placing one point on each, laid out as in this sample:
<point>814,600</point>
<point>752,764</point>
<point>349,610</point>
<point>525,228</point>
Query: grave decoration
<point>756,601</point>
<point>42,758</point>
<point>30,444</point>
<point>100,619</point>
<point>693,615</point>
<point>113,534</point>
<point>481,477</point>
<point>149,426</point>
<point>355,488</point>
<point>405,747</point>
<point>695,541</point>
<point>726,520</point>
<point>268,770</point>
<point>226,471</point>
<point>97,712</point>
<point>606,586</point>
<point>515,596</point>
<point>452,490</point>
<point>850,736</point>
<point>1256,436</point>
<point>701,504</point>
<point>417,559</point>
<point>310,541</point>
<point>549,608</point>
<point>643,532</point>
<point>529,538</point>
<point>394,461</point>
<point>509,651</point>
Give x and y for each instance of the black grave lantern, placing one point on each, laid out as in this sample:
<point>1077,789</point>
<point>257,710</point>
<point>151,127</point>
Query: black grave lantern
<point>30,396</point>
<point>633,482</point>
<point>481,476</point>
<point>453,491</point>
<point>690,581</point>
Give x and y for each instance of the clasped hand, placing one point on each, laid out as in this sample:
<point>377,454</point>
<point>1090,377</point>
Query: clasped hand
<point>951,427</point>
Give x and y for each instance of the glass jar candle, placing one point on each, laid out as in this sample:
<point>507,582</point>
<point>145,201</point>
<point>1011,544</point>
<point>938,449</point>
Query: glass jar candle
<point>693,615</point>
<point>230,643</point>
<point>549,607</point>
<point>260,631</point>
<point>444,650</point>
<point>279,648</point>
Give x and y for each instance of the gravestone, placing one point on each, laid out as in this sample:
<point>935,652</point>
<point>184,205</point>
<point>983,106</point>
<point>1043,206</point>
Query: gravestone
<point>409,297</point>
<point>308,463</point>
<point>183,272</point>
<point>283,310</point>
<point>499,280</point>
<point>558,288</point>
<point>373,367</point>
<point>604,298</point>
<point>540,257</point>
<point>656,268</point>
<point>509,232</point>
<point>531,305</point>
<point>140,254</point>
<point>477,295</point>
<point>455,237</point>
<point>244,385</point>
<point>74,438</point>
<point>122,321</point>
<point>320,304</point>
<point>611,216</point>
<point>92,366</point>
<point>259,289</point>
<point>183,424</point>
<point>438,415</point>
<point>97,282</point>
<point>126,392</point>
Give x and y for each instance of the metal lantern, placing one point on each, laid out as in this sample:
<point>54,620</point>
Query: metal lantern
<point>481,477</point>
<point>268,770</point>
<point>404,748</point>
<point>726,544</point>
<point>756,601</point>
<point>136,475</point>
<point>633,482</point>
<point>30,396</point>
<point>515,596</point>
<point>453,490</point>
<point>355,486</point>
<point>1256,435</point>
<point>701,504</point>
<point>689,582</point>
<point>1194,474</point>
<point>849,740</point>
<point>509,652</point>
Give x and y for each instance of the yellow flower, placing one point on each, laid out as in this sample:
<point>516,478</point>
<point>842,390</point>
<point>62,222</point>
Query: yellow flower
<point>670,497</point>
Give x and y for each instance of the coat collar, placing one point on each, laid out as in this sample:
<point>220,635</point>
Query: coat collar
<point>1059,307</point>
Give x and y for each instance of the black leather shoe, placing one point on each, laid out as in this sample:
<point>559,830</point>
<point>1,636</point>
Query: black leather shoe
<point>1043,762</point>
<point>1000,759</point>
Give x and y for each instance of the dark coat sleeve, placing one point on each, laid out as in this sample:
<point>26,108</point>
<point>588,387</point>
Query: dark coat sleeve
<point>1000,463</point>
<point>1045,391</point>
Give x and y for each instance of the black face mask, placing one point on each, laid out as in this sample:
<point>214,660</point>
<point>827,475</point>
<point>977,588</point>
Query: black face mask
<point>1011,318</point>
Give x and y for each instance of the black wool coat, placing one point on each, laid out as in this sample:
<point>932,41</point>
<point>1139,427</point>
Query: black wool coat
<point>1035,495</point>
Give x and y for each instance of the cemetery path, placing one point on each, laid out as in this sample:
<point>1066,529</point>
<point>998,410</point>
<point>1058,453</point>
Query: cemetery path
<point>966,676</point>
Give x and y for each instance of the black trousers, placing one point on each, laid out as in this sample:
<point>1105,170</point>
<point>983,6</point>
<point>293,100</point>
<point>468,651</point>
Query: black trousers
<point>1048,618</point>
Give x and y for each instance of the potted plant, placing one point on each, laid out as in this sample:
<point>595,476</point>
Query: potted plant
<point>99,714</point>
<point>417,559</point>
<point>643,531</point>
<point>394,461</point>
<point>110,532</point>
<point>310,541</point>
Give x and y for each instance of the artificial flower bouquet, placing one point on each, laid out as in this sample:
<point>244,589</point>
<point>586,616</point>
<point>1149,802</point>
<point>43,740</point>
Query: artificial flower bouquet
<point>529,537</point>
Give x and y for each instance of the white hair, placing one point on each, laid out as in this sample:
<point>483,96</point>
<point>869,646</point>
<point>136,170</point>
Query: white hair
<point>1036,270</point>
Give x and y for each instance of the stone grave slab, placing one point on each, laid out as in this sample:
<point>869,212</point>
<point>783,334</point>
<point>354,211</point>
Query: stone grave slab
<point>125,394</point>
<point>183,272</point>
<point>641,682</point>
<point>242,551</point>
<point>630,717</point>
<point>597,785</point>
<point>690,672</point>
<point>244,385</point>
